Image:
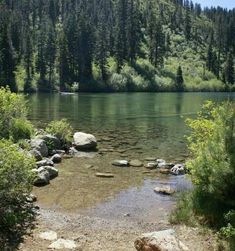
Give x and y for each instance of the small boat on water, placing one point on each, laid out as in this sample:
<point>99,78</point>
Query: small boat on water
<point>67,93</point>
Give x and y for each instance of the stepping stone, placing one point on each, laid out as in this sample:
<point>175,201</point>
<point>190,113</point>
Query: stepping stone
<point>104,175</point>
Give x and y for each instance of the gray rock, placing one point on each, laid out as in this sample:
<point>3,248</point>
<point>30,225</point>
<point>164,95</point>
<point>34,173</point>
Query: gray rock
<point>167,190</point>
<point>52,142</point>
<point>178,169</point>
<point>160,241</point>
<point>36,154</point>
<point>121,163</point>
<point>136,163</point>
<point>31,198</point>
<point>56,158</point>
<point>63,244</point>
<point>42,177</point>
<point>45,162</point>
<point>151,165</point>
<point>84,141</point>
<point>39,145</point>
<point>53,172</point>
<point>49,236</point>
<point>150,159</point>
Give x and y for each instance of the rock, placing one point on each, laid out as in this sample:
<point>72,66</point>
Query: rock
<point>39,145</point>
<point>84,141</point>
<point>104,175</point>
<point>164,171</point>
<point>150,159</point>
<point>63,244</point>
<point>56,158</point>
<point>160,241</point>
<point>36,154</point>
<point>52,142</point>
<point>178,169</point>
<point>44,162</point>
<point>167,190</point>
<point>151,165</point>
<point>31,198</point>
<point>49,236</point>
<point>161,163</point>
<point>53,172</point>
<point>42,177</point>
<point>121,163</point>
<point>136,163</point>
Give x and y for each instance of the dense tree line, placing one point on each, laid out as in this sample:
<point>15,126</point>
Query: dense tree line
<point>56,43</point>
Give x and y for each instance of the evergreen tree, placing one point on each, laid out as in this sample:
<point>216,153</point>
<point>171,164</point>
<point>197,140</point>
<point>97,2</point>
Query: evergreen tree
<point>229,69</point>
<point>187,21</point>
<point>7,61</point>
<point>179,80</point>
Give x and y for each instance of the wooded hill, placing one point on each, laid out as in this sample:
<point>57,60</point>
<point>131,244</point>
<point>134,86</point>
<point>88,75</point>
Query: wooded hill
<point>115,45</point>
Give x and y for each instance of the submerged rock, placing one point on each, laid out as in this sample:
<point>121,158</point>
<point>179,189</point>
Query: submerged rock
<point>39,145</point>
<point>84,141</point>
<point>160,241</point>
<point>136,163</point>
<point>164,170</point>
<point>121,163</point>
<point>167,190</point>
<point>104,175</point>
<point>151,165</point>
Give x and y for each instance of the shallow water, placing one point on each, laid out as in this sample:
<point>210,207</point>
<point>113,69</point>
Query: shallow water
<point>127,126</point>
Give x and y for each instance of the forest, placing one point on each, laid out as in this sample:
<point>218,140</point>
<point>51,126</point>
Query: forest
<point>115,45</point>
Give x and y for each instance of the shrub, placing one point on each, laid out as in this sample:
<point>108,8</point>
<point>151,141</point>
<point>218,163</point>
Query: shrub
<point>12,106</point>
<point>20,129</point>
<point>15,183</point>
<point>212,167</point>
<point>61,129</point>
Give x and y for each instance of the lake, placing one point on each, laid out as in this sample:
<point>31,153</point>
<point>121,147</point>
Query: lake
<point>127,126</point>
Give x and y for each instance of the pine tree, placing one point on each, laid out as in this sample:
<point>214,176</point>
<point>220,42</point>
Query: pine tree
<point>229,69</point>
<point>7,61</point>
<point>179,80</point>
<point>187,21</point>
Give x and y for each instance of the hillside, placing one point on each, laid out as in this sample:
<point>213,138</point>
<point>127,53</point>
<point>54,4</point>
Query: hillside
<point>116,45</point>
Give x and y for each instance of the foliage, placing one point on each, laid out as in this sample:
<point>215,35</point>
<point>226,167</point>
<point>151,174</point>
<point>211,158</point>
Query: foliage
<point>15,183</point>
<point>61,129</point>
<point>20,129</point>
<point>93,48</point>
<point>13,114</point>
<point>212,169</point>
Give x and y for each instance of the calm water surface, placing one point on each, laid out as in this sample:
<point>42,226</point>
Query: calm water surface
<point>130,126</point>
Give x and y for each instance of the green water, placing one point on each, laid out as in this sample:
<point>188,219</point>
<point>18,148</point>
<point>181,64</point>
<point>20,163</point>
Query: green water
<point>152,122</point>
<point>127,126</point>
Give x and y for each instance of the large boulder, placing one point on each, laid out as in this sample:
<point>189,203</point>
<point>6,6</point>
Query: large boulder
<point>160,241</point>
<point>84,141</point>
<point>39,145</point>
<point>52,142</point>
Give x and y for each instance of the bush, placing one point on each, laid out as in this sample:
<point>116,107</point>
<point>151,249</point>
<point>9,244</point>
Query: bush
<point>15,183</point>
<point>212,167</point>
<point>12,107</point>
<point>20,129</point>
<point>61,129</point>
